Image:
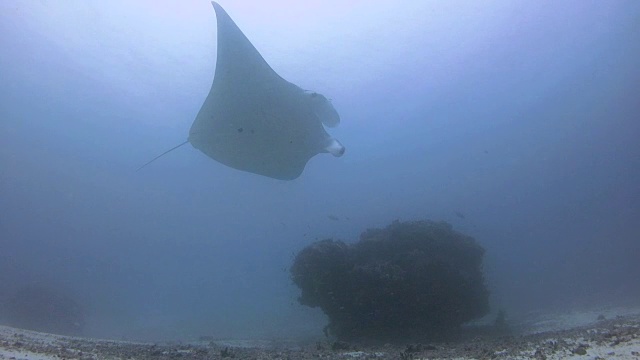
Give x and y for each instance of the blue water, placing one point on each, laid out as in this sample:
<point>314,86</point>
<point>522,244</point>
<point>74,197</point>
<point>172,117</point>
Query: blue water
<point>522,116</point>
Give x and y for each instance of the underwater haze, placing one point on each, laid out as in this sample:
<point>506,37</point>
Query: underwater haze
<point>515,121</point>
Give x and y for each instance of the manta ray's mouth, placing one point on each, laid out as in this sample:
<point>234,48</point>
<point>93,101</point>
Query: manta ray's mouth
<point>336,148</point>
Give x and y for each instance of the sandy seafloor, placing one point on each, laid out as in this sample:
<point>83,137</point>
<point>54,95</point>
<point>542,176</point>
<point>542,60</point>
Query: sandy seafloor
<point>575,335</point>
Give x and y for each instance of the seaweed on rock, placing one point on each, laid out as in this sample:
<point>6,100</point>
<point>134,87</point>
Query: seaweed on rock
<point>409,280</point>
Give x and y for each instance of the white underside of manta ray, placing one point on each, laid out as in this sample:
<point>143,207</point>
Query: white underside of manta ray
<point>254,120</point>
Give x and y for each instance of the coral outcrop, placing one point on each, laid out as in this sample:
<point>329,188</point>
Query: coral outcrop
<point>409,280</point>
<point>44,309</point>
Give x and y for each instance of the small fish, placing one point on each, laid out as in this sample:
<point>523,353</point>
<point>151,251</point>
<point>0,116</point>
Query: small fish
<point>333,217</point>
<point>459,214</point>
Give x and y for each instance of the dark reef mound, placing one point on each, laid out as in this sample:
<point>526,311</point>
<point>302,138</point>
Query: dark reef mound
<point>43,309</point>
<point>410,280</point>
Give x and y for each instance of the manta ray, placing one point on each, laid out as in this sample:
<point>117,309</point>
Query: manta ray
<point>254,120</point>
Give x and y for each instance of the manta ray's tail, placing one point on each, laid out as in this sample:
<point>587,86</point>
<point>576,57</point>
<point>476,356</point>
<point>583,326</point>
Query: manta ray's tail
<point>161,155</point>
